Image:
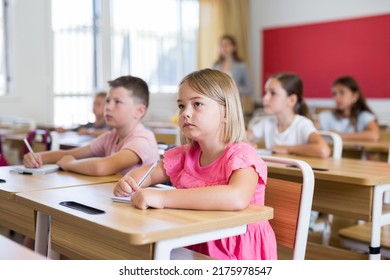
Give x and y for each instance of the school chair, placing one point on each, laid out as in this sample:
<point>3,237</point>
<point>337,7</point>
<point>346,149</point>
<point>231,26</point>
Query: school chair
<point>3,159</point>
<point>42,140</point>
<point>336,140</point>
<point>292,203</point>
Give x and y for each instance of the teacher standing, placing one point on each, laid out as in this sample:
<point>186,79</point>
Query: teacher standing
<point>230,63</point>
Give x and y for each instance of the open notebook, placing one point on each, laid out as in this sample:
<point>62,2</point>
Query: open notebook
<point>127,199</point>
<point>44,169</point>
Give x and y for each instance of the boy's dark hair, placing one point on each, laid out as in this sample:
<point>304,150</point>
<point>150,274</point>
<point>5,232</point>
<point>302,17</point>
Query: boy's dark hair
<point>137,87</point>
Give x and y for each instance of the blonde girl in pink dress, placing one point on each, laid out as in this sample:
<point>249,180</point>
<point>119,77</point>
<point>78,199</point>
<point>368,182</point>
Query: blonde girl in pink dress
<point>213,169</point>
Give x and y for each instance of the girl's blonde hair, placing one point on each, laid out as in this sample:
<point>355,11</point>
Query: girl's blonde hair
<point>221,88</point>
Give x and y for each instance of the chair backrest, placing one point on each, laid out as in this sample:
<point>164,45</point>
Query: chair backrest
<point>3,159</point>
<point>42,140</point>
<point>336,140</point>
<point>291,202</point>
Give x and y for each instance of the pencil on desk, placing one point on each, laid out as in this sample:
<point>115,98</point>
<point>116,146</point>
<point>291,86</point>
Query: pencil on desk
<point>147,174</point>
<point>30,149</point>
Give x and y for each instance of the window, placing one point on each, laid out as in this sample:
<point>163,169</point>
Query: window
<point>155,40</point>
<point>4,48</point>
<point>75,60</point>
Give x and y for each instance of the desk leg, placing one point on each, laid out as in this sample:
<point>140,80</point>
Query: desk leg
<point>163,248</point>
<point>43,236</point>
<point>50,253</point>
<point>41,233</point>
<point>378,219</point>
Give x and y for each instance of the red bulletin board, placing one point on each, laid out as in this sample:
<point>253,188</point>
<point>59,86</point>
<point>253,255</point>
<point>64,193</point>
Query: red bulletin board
<point>319,53</point>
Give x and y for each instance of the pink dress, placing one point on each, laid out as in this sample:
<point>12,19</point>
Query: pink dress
<point>182,166</point>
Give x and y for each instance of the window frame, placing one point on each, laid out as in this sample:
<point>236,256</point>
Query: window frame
<point>8,71</point>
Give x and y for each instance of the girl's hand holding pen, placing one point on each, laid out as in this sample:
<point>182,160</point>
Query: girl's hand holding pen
<point>126,186</point>
<point>142,198</point>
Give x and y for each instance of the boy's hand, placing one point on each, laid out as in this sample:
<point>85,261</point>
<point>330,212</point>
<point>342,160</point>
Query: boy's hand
<point>31,161</point>
<point>64,161</point>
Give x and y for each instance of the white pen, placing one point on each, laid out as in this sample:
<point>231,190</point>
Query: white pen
<point>147,174</point>
<point>30,149</point>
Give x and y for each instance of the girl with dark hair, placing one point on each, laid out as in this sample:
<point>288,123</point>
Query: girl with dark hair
<point>288,130</point>
<point>352,118</point>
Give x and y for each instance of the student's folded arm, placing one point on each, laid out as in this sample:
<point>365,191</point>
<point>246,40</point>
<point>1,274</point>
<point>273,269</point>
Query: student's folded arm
<point>115,163</point>
<point>372,133</point>
<point>103,166</point>
<point>316,147</point>
<point>54,156</point>
<point>234,196</point>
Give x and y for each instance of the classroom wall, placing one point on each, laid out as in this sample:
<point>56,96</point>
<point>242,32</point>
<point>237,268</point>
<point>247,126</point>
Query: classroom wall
<point>31,47</point>
<point>283,13</point>
<point>31,61</point>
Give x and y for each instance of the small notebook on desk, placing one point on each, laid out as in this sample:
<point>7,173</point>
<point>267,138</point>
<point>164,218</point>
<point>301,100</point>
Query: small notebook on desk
<point>44,169</point>
<point>127,199</point>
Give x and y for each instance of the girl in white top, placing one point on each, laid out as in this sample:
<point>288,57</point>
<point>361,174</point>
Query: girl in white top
<point>288,130</point>
<point>352,118</point>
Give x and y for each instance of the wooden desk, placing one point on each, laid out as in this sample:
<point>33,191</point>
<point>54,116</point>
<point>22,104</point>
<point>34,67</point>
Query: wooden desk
<point>22,219</point>
<point>349,188</point>
<point>7,131</point>
<point>10,250</point>
<point>124,232</point>
<point>377,150</point>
